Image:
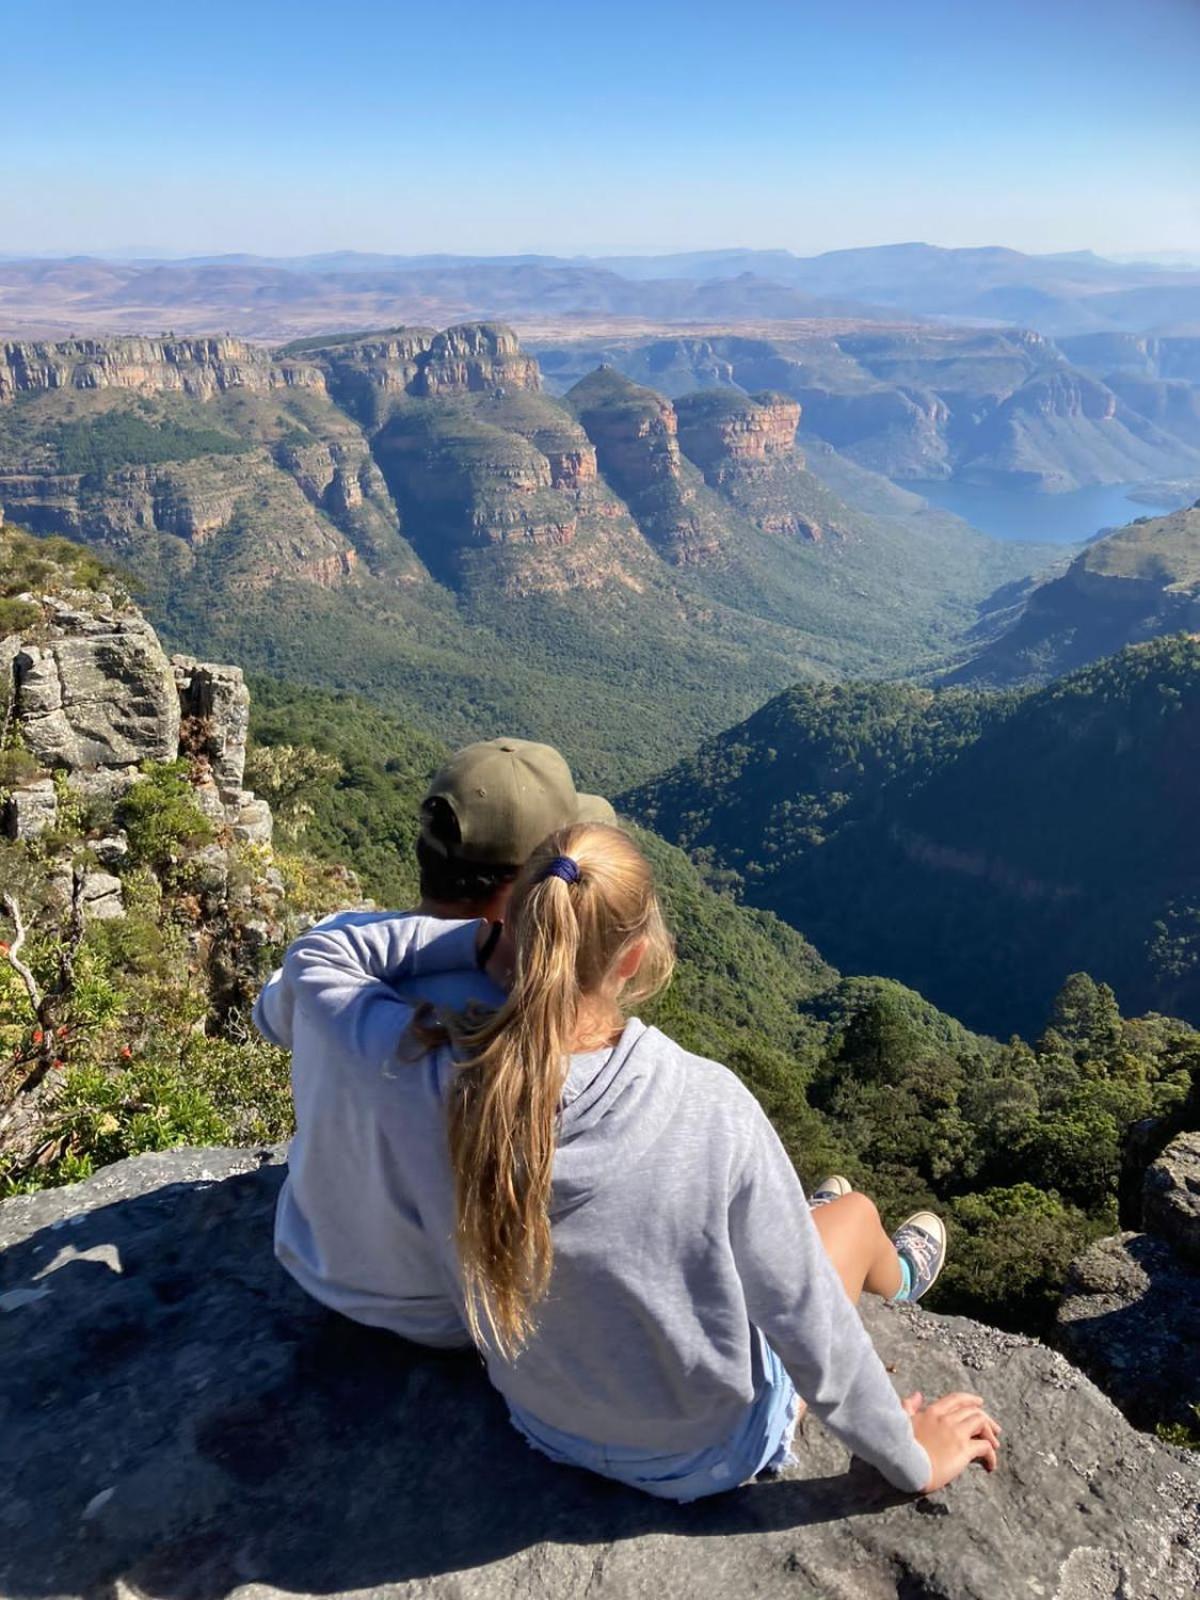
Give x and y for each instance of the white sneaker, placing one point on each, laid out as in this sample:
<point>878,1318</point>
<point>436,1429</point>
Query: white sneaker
<point>829,1189</point>
<point>922,1242</point>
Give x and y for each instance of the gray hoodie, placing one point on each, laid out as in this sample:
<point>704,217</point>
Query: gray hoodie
<point>678,1222</point>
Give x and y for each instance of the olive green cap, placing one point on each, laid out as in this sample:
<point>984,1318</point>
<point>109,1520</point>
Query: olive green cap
<point>506,795</point>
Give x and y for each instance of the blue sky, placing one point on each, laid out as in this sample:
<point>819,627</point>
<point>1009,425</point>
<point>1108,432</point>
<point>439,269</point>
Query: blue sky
<point>488,127</point>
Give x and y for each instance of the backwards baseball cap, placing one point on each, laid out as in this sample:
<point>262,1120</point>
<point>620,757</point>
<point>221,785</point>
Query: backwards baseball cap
<point>505,796</point>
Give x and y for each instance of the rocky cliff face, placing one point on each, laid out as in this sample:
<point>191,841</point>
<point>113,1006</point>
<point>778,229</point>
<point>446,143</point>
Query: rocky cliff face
<point>368,375</point>
<point>92,697</point>
<point>216,1430</point>
<point>290,506</point>
<point>477,358</point>
<point>1000,406</point>
<point>723,432</point>
<point>745,445</point>
<point>200,368</point>
<point>513,471</point>
<point>135,872</point>
<point>901,432</point>
<point>635,435</point>
<point>1130,1314</point>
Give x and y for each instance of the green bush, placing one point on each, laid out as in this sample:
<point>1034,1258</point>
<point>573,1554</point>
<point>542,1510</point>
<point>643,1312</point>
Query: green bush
<point>161,817</point>
<point>18,616</point>
<point>1009,1254</point>
<point>17,766</point>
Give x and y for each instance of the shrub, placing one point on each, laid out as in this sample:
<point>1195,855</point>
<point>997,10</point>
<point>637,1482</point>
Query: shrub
<point>160,816</point>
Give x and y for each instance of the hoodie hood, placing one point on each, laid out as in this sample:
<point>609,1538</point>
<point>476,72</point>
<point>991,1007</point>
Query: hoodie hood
<point>619,1098</point>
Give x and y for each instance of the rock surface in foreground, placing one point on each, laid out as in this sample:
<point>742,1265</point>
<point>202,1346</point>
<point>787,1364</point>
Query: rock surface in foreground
<point>179,1419</point>
<point>1130,1313</point>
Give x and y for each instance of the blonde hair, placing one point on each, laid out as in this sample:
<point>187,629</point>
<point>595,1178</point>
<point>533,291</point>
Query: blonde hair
<point>569,940</point>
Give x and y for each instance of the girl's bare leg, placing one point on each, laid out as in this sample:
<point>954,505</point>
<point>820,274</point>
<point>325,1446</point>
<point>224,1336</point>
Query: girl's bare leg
<point>857,1243</point>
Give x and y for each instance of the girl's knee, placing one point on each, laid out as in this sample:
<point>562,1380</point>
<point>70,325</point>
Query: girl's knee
<point>863,1209</point>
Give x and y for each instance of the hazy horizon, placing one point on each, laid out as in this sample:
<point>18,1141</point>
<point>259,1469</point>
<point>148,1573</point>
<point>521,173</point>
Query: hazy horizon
<point>155,254</point>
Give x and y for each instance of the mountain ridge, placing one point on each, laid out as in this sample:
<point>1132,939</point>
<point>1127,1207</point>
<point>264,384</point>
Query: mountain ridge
<point>976,846</point>
<point>1135,583</point>
<point>415,492</point>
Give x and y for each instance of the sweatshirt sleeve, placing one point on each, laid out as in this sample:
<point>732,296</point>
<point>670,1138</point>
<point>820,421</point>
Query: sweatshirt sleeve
<point>340,977</point>
<point>796,1298</point>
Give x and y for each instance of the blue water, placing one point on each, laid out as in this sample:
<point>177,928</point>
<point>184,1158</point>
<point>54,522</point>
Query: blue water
<point>1009,513</point>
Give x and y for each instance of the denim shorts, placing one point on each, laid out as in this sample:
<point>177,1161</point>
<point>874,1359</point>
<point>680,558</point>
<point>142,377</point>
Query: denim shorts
<point>763,1439</point>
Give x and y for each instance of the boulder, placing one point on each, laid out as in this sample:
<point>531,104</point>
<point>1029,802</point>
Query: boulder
<point>98,693</point>
<point>178,1421</point>
<point>1130,1316</point>
<point>101,897</point>
<point>253,822</point>
<point>113,849</point>
<point>28,811</point>
<point>1171,1197</point>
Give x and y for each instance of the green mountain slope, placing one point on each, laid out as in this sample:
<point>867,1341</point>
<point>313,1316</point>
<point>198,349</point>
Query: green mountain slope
<point>1137,583</point>
<point>979,847</point>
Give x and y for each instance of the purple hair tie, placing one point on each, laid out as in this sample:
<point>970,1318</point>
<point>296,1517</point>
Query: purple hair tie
<point>563,867</point>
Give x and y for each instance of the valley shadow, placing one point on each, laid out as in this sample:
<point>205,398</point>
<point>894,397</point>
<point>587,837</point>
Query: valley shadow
<point>178,1414</point>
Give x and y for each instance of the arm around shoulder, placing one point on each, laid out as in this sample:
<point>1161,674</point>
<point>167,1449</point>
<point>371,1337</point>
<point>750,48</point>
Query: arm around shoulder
<point>341,975</point>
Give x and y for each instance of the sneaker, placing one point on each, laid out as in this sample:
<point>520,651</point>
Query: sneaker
<point>829,1189</point>
<point>922,1242</point>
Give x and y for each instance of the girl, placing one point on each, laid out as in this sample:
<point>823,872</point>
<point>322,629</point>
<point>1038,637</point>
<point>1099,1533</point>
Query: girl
<point>627,1240</point>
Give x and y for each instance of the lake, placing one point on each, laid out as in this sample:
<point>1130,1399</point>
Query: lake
<point>1009,513</point>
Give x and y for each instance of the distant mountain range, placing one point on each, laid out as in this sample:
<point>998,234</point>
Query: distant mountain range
<point>995,407</point>
<point>408,515</point>
<point>274,297</point>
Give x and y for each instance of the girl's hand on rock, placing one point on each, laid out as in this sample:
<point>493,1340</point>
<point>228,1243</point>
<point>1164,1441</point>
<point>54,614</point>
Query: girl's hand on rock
<point>953,1431</point>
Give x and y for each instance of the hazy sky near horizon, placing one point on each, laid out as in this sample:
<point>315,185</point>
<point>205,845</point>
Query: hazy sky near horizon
<point>475,127</point>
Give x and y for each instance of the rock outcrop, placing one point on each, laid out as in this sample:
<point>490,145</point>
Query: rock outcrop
<point>635,435</point>
<point>95,693</point>
<point>1130,1314</point>
<point>724,432</point>
<point>200,368</point>
<point>214,1430</point>
<point>478,357</point>
<point>1171,1197</point>
<point>745,445</point>
<point>367,375</point>
<point>93,697</point>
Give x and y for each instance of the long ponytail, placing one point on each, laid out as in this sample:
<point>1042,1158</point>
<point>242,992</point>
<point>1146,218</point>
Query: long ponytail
<point>569,935</point>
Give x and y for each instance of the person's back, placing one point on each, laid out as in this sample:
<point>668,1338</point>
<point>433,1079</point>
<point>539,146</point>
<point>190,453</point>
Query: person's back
<point>348,1226</point>
<point>624,1234</point>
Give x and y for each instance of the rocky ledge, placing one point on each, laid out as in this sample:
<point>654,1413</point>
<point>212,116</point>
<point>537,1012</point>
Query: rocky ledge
<point>1130,1313</point>
<point>180,1422</point>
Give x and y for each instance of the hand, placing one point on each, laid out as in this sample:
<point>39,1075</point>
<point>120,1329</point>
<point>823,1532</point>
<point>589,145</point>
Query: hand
<point>953,1431</point>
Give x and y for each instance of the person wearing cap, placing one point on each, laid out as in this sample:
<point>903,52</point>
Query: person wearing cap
<point>348,1226</point>
<point>484,814</point>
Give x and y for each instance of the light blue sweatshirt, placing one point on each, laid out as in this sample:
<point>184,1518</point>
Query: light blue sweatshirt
<point>678,1222</point>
